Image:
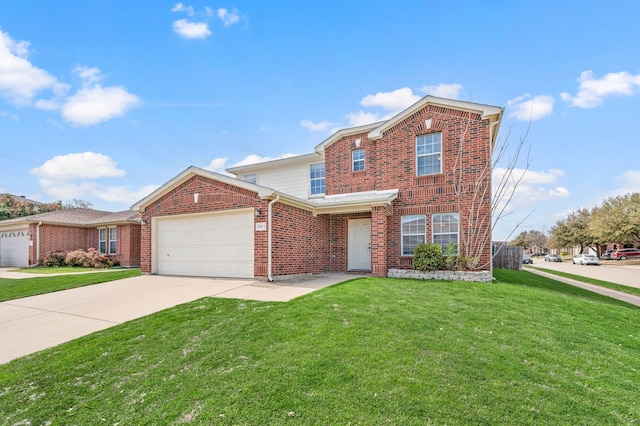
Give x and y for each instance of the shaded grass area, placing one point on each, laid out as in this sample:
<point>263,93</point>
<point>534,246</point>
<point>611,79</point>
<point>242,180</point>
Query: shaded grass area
<point>23,287</point>
<point>522,350</point>
<point>606,284</point>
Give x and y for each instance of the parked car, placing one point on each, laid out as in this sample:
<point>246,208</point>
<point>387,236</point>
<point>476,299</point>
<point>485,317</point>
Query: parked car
<point>526,259</point>
<point>607,254</point>
<point>624,254</point>
<point>586,259</point>
<point>552,258</point>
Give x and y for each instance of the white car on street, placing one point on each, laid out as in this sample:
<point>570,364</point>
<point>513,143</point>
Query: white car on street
<point>586,259</point>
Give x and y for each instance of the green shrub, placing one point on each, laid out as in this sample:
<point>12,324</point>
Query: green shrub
<point>427,257</point>
<point>452,259</point>
<point>55,259</point>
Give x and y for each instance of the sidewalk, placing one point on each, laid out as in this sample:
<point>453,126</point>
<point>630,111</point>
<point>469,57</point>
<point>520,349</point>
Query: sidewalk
<point>625,297</point>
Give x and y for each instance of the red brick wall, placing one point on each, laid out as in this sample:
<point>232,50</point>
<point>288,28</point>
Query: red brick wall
<point>300,241</point>
<point>213,196</point>
<point>390,163</point>
<point>67,238</point>
<point>61,238</point>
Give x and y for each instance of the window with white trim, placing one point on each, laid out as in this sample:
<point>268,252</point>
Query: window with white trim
<point>445,228</point>
<point>413,230</point>
<point>357,159</point>
<point>317,178</point>
<point>113,242</point>
<point>250,177</point>
<point>429,154</point>
<point>102,240</point>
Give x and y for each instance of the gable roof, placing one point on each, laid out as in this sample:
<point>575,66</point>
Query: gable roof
<point>493,113</point>
<point>375,130</point>
<point>302,158</point>
<point>353,202</point>
<point>197,171</point>
<point>77,217</point>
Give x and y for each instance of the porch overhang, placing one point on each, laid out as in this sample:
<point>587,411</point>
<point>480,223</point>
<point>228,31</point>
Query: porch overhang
<point>355,202</point>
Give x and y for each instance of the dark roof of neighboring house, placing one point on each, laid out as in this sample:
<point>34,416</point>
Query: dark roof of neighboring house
<point>78,217</point>
<point>20,198</point>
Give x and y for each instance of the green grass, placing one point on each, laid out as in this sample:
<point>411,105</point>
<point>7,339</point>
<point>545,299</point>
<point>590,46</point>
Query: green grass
<point>23,287</point>
<point>523,350</point>
<point>612,286</point>
<point>58,270</point>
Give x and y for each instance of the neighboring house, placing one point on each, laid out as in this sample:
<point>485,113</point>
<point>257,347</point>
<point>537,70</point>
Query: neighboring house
<point>26,241</point>
<point>360,202</point>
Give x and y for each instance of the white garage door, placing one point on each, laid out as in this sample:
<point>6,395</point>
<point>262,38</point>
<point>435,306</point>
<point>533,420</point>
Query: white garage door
<point>14,248</point>
<point>211,245</point>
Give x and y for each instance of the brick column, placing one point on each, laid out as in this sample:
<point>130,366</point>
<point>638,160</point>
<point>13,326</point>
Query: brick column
<point>379,228</point>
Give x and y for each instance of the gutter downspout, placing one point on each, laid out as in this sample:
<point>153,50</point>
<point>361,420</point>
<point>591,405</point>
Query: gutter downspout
<point>37,244</point>
<point>271,203</point>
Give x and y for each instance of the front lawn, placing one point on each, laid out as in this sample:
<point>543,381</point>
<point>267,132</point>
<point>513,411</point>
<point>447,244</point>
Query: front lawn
<point>23,287</point>
<point>522,350</point>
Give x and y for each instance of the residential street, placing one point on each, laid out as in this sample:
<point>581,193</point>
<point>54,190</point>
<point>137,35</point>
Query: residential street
<point>612,271</point>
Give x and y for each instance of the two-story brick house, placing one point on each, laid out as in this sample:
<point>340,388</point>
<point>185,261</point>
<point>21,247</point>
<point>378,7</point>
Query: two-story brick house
<point>361,201</point>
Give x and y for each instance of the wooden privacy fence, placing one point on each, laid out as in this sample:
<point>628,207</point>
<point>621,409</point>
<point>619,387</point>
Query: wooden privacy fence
<point>507,257</point>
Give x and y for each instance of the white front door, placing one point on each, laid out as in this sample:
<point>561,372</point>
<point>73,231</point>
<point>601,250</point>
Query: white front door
<point>360,245</point>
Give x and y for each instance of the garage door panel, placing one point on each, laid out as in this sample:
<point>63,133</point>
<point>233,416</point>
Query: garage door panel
<point>220,244</point>
<point>14,248</point>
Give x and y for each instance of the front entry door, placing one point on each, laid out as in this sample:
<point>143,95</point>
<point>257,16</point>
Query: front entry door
<point>360,245</point>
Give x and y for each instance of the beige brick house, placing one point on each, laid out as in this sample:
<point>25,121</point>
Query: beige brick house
<point>360,202</point>
<point>25,241</point>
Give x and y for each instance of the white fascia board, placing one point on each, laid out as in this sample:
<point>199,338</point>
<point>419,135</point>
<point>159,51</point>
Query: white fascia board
<point>485,111</point>
<point>280,162</point>
<point>345,132</point>
<point>340,206</point>
<point>196,171</point>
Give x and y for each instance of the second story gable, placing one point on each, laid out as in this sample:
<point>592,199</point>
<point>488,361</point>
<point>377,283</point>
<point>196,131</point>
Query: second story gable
<point>432,145</point>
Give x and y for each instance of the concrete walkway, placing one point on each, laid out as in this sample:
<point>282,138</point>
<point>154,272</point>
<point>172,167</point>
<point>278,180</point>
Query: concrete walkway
<point>625,297</point>
<point>34,323</point>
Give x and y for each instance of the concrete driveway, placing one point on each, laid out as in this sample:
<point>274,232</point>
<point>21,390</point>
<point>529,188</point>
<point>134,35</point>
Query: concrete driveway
<point>34,323</point>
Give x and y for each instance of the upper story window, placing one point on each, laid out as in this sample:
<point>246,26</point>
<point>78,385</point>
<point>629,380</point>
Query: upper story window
<point>413,229</point>
<point>429,154</point>
<point>357,159</point>
<point>445,228</point>
<point>250,177</point>
<point>317,178</point>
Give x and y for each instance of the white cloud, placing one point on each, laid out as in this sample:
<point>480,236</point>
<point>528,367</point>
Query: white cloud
<point>361,118</point>
<point>74,176</point>
<point>321,126</point>
<point>88,75</point>
<point>20,81</point>
<point>97,104</point>
<point>627,182</point>
<point>191,30</point>
<point>180,7</point>
<point>82,165</point>
<point>8,115</point>
<point>443,90</point>
<point>218,165</point>
<point>592,90</point>
<point>528,108</point>
<point>228,18</point>
<point>391,101</point>
<point>534,187</point>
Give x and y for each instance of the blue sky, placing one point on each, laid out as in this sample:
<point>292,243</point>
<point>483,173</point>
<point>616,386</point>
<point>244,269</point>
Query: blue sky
<point>104,101</point>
